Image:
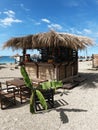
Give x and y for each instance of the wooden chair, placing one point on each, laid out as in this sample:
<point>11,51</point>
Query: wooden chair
<point>48,93</point>
<point>25,93</point>
<point>7,98</point>
<point>49,97</point>
<point>21,91</point>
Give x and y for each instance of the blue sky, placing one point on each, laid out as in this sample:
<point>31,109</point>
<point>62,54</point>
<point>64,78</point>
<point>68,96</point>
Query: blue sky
<point>22,17</point>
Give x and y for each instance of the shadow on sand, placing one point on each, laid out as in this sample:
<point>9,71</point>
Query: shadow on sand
<point>64,117</point>
<point>91,80</point>
<point>2,66</point>
<point>57,107</point>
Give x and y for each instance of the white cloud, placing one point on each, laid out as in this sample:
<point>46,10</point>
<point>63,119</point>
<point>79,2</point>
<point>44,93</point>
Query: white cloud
<point>75,3</point>
<point>7,21</point>
<point>96,1</point>
<point>37,23</point>
<point>71,3</point>
<point>84,31</point>
<point>23,7</point>
<point>9,13</point>
<point>45,20</point>
<point>55,26</point>
<point>74,31</point>
<point>87,31</point>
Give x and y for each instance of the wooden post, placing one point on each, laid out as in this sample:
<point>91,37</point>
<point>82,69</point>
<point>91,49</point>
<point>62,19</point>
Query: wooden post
<point>24,52</point>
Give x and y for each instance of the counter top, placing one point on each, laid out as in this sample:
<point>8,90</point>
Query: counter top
<point>45,63</point>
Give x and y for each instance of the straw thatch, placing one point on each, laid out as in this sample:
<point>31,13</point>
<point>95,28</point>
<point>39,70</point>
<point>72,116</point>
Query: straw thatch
<point>49,39</point>
<point>19,42</point>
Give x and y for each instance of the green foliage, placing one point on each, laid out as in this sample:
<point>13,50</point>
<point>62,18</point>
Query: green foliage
<point>54,84</point>
<point>32,109</point>
<point>41,99</point>
<point>28,83</point>
<point>26,77</point>
<point>46,85</point>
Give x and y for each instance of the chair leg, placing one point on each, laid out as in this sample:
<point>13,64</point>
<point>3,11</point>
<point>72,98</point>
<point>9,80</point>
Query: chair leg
<point>2,105</point>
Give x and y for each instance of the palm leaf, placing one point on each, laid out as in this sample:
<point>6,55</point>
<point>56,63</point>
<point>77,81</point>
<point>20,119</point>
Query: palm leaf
<point>41,99</point>
<point>38,93</point>
<point>56,84</point>
<point>46,85</point>
<point>32,103</point>
<point>26,77</point>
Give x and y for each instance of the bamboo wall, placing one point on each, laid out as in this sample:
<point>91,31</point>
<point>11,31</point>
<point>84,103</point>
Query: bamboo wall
<point>31,70</point>
<point>51,71</point>
<point>46,71</point>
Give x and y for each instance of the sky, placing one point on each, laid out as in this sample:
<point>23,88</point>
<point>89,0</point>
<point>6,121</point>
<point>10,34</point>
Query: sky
<point>22,17</point>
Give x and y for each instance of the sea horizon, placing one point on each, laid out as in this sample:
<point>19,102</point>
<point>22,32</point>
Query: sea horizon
<point>6,59</point>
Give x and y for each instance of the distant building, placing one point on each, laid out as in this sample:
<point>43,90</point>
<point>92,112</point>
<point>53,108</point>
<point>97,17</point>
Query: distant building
<point>95,60</point>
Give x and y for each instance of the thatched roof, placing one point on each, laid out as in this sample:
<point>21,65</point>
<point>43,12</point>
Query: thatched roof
<point>19,42</point>
<point>49,39</point>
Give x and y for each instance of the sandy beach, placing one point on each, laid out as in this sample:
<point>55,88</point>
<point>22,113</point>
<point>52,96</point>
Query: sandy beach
<point>76,109</point>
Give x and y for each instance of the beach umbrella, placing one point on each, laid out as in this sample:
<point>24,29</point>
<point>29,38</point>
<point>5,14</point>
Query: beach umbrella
<point>16,55</point>
<point>49,39</point>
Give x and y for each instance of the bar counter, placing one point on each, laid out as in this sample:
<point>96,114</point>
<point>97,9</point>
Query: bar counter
<point>50,71</point>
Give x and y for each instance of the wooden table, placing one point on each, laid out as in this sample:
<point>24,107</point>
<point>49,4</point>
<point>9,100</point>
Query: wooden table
<point>19,84</point>
<point>16,82</point>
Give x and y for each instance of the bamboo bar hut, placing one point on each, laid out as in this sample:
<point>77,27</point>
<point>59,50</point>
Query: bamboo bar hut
<point>59,54</point>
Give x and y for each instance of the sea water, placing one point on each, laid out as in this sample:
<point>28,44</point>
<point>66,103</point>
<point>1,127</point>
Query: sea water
<point>6,59</point>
